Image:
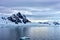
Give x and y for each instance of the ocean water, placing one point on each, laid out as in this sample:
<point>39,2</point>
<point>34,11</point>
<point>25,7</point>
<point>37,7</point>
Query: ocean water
<point>42,32</point>
<point>34,32</point>
<point>45,33</point>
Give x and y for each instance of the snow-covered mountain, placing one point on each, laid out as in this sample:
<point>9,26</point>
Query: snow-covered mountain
<point>37,15</point>
<point>16,18</point>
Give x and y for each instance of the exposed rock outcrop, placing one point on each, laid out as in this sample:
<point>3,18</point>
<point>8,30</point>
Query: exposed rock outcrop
<point>18,18</point>
<point>56,23</point>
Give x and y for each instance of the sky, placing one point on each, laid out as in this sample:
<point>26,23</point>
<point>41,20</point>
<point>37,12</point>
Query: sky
<point>34,9</point>
<point>45,3</point>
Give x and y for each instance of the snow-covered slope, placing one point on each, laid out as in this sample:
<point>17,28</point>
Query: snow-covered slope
<point>4,20</point>
<point>14,18</point>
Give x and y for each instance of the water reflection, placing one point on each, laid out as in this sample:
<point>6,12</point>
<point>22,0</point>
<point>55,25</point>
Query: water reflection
<point>45,33</point>
<point>34,33</point>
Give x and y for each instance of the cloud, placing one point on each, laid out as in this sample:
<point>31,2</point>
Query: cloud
<point>29,10</point>
<point>28,0</point>
<point>42,3</point>
<point>39,20</point>
<point>32,13</point>
<point>22,12</point>
<point>10,11</point>
<point>58,12</point>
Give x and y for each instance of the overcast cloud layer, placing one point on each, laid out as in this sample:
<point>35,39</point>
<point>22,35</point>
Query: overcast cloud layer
<point>42,3</point>
<point>34,9</point>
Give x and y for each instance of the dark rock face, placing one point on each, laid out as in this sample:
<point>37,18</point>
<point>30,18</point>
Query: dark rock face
<point>43,22</point>
<point>18,18</point>
<point>25,21</point>
<point>3,18</point>
<point>11,19</point>
<point>56,23</point>
<point>19,15</point>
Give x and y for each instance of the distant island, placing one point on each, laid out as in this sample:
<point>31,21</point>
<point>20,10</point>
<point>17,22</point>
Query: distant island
<point>17,18</point>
